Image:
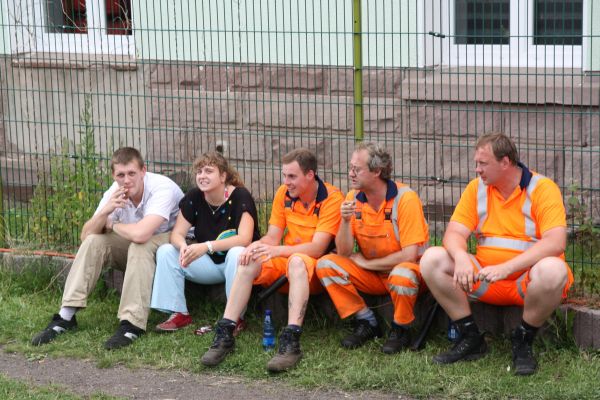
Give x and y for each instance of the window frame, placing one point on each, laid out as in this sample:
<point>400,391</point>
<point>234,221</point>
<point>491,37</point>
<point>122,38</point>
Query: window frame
<point>521,52</point>
<point>95,41</point>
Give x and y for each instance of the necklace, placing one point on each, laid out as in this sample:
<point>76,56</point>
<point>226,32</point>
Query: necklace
<point>214,210</point>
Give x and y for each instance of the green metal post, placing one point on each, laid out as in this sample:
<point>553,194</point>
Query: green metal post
<point>2,224</point>
<point>358,86</point>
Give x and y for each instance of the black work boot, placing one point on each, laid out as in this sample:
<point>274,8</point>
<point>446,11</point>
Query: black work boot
<point>124,336</point>
<point>289,353</point>
<point>398,340</point>
<point>56,327</point>
<point>524,362</point>
<point>363,332</point>
<point>470,346</point>
<point>223,344</point>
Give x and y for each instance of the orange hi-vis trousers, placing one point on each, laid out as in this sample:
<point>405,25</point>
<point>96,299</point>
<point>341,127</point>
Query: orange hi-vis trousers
<point>509,291</point>
<point>278,266</point>
<point>342,279</point>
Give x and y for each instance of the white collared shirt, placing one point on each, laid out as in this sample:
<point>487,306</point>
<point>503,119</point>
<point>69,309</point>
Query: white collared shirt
<point>161,197</point>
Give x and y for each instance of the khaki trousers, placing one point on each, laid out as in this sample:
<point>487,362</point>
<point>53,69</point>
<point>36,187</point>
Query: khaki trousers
<point>137,260</point>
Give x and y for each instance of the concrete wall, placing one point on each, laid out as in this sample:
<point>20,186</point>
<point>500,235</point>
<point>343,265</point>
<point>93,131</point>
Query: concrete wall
<point>256,113</point>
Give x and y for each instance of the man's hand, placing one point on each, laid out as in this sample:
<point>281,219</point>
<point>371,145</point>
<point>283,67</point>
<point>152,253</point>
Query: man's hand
<point>464,277</point>
<point>189,253</point>
<point>263,252</point>
<point>258,252</point>
<point>117,200</point>
<point>359,260</point>
<point>494,273</point>
<point>347,210</point>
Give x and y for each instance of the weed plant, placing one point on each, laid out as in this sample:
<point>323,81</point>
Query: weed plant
<point>584,249</point>
<point>67,196</point>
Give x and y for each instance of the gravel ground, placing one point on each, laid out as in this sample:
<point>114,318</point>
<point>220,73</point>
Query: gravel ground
<point>84,378</point>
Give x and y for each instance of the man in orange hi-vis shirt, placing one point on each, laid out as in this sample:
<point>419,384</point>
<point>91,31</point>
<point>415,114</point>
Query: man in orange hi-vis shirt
<point>310,211</point>
<point>519,220</point>
<point>386,220</point>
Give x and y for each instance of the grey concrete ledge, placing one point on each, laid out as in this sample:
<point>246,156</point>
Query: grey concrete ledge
<point>74,61</point>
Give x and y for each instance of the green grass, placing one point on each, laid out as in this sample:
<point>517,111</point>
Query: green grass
<point>28,301</point>
<point>14,389</point>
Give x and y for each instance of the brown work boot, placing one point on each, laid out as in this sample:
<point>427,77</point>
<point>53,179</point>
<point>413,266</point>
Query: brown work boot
<point>289,353</point>
<point>222,345</point>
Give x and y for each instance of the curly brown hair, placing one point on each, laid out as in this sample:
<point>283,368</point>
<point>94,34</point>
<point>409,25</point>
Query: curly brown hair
<point>216,159</point>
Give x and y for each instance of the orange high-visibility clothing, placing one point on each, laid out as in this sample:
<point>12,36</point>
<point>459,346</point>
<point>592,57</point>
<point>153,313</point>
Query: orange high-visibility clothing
<point>399,222</point>
<point>505,228</point>
<point>300,223</point>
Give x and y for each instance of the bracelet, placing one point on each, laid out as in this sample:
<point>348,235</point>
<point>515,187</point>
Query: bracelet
<point>210,248</point>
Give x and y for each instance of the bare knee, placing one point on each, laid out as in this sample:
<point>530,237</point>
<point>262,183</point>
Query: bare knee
<point>549,274</point>
<point>248,272</point>
<point>436,260</point>
<point>297,268</point>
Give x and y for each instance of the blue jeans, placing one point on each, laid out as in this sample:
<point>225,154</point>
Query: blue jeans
<point>169,280</point>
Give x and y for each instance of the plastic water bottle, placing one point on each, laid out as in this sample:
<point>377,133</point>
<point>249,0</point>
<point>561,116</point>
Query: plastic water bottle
<point>453,333</point>
<point>268,332</point>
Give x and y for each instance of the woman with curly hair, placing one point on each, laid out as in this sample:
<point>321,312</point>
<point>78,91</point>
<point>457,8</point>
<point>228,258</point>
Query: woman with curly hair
<point>224,217</point>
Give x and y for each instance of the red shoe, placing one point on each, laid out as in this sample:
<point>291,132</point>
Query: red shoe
<point>176,321</point>
<point>239,327</point>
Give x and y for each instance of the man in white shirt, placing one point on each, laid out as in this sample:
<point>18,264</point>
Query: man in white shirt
<point>132,220</point>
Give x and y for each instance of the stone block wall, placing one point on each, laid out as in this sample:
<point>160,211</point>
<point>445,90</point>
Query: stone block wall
<point>428,119</point>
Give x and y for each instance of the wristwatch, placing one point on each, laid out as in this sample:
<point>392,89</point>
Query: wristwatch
<point>210,248</point>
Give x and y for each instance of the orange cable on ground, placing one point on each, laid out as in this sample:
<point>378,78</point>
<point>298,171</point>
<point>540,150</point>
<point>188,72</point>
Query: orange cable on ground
<point>39,253</point>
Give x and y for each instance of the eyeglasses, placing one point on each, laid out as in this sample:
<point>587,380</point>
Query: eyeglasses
<point>355,170</point>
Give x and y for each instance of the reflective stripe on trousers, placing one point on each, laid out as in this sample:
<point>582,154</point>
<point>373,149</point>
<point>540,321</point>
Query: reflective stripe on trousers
<point>485,285</point>
<point>328,280</point>
<point>403,290</point>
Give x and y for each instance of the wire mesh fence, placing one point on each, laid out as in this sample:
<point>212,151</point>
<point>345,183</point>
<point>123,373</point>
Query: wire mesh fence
<point>256,78</point>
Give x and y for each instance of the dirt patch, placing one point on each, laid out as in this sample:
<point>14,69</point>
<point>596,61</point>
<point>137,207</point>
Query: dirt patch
<point>84,378</point>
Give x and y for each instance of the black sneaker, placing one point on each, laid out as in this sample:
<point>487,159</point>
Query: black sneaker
<point>289,353</point>
<point>471,346</point>
<point>363,332</point>
<point>398,340</point>
<point>56,326</point>
<point>524,362</point>
<point>125,335</point>
<point>223,344</point>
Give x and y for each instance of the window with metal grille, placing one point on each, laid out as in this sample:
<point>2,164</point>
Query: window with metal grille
<point>482,22</point>
<point>558,22</point>
<point>66,16</point>
<point>73,16</point>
